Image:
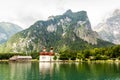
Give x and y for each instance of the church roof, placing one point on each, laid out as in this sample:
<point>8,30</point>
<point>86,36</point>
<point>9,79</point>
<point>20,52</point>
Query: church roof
<point>47,53</point>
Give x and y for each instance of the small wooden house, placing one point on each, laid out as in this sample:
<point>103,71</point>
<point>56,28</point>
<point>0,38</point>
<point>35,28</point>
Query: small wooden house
<point>20,58</point>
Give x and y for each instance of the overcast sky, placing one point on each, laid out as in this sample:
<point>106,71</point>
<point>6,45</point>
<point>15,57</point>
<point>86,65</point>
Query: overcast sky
<point>26,12</point>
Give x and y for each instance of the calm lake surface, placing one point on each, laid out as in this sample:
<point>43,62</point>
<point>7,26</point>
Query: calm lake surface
<point>59,71</point>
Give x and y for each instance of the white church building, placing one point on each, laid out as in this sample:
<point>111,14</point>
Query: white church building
<point>46,56</point>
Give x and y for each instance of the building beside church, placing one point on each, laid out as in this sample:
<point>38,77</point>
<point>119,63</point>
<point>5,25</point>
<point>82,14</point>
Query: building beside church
<point>20,58</point>
<point>46,56</point>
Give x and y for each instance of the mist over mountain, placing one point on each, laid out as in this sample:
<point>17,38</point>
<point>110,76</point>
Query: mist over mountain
<point>109,29</point>
<point>71,30</point>
<point>7,30</point>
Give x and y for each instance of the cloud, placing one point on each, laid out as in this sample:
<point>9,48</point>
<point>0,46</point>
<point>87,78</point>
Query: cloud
<point>26,12</point>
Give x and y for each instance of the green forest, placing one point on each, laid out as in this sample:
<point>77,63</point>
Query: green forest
<point>93,54</point>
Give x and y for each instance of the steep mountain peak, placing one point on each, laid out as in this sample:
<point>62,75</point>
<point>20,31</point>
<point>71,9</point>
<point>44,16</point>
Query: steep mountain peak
<point>72,30</point>
<point>116,12</point>
<point>80,15</point>
<point>69,11</point>
<point>50,17</point>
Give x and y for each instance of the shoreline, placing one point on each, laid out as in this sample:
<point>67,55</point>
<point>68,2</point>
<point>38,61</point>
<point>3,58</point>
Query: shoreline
<point>69,61</point>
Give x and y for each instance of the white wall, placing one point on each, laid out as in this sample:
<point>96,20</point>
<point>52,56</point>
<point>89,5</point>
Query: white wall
<point>46,58</point>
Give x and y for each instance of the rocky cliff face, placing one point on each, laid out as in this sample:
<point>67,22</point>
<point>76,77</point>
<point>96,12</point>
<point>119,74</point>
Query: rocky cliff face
<point>109,30</point>
<point>72,30</point>
<point>7,30</point>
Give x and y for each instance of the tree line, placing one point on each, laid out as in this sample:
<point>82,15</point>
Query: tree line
<point>9,55</point>
<point>94,54</point>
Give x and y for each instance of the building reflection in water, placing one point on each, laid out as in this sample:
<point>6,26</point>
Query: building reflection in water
<point>19,71</point>
<point>46,70</point>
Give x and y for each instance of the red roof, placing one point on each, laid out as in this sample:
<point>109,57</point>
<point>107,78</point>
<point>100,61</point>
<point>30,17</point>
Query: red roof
<point>47,53</point>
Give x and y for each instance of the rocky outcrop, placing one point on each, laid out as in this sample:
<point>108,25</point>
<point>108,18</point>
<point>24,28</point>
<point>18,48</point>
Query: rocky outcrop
<point>109,30</point>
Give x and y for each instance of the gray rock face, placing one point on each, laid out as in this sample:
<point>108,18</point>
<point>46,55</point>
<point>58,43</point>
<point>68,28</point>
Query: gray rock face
<point>84,31</point>
<point>7,30</point>
<point>110,29</point>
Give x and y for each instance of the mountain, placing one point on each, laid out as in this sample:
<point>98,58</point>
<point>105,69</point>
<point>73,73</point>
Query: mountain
<point>7,30</point>
<point>109,29</point>
<point>72,30</point>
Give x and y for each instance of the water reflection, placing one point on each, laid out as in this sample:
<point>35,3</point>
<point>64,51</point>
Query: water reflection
<point>46,69</point>
<point>18,70</point>
<point>15,70</point>
<point>59,71</point>
<point>79,71</point>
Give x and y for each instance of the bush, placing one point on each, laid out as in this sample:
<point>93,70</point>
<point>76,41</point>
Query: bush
<point>35,55</point>
<point>55,57</point>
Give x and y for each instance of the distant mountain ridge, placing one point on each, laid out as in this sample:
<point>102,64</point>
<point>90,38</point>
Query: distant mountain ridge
<point>72,30</point>
<point>7,30</point>
<point>109,30</point>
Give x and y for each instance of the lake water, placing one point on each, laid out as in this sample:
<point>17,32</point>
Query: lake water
<point>59,71</point>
